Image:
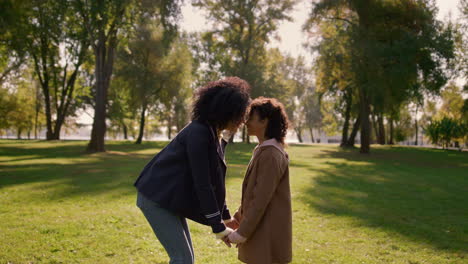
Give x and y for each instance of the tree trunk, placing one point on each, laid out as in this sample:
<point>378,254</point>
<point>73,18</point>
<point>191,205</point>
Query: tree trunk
<point>352,137</point>
<point>344,136</point>
<point>391,131</point>
<point>142,125</point>
<point>374,126</point>
<point>243,134</point>
<point>364,14</point>
<point>103,72</point>
<point>416,126</point>
<point>365,124</point>
<point>48,113</point>
<point>169,128</point>
<point>35,121</point>
<point>349,101</point>
<point>231,139</point>
<point>37,108</point>
<point>381,129</point>
<point>299,135</point>
<point>42,73</point>
<point>18,133</point>
<point>58,127</point>
<point>311,131</point>
<point>124,127</point>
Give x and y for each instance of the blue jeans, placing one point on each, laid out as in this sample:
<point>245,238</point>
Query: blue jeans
<point>170,229</point>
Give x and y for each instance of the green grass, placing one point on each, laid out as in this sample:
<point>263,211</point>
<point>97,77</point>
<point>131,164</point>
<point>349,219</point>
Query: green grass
<point>398,205</point>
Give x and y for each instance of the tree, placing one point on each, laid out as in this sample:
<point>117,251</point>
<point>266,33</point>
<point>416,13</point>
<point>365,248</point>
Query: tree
<point>120,111</point>
<point>241,31</point>
<point>177,69</point>
<point>104,21</point>
<point>157,74</point>
<point>54,41</point>
<point>452,102</point>
<point>141,66</point>
<point>312,110</point>
<point>17,106</point>
<point>403,126</point>
<point>390,59</point>
<point>462,41</point>
<point>12,55</point>
<point>243,28</point>
<point>278,80</point>
<point>287,79</point>
<point>7,106</point>
<point>332,70</point>
<point>22,118</point>
<point>207,58</point>
<point>10,62</point>
<point>299,78</point>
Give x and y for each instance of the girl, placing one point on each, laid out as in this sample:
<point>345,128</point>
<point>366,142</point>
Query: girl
<point>265,232</point>
<point>187,178</point>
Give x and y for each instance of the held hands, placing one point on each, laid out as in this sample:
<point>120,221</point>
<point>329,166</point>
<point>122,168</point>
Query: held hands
<point>232,223</point>
<point>223,236</point>
<point>236,238</point>
<point>229,235</point>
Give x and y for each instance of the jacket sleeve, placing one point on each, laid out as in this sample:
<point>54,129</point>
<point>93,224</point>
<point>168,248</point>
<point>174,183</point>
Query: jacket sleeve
<point>198,146</point>
<point>226,213</point>
<point>269,174</point>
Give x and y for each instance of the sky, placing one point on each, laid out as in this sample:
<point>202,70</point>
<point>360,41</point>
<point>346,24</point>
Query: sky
<point>290,33</point>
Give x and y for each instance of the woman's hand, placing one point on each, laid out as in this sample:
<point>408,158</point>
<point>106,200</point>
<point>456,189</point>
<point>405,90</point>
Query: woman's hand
<point>236,238</point>
<point>224,236</point>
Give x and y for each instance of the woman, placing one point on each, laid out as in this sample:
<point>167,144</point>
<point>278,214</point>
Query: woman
<point>187,178</point>
<point>265,232</point>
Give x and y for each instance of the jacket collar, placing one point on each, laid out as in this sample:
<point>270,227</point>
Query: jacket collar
<point>220,146</point>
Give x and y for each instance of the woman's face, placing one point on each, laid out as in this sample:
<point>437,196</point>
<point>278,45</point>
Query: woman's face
<point>233,126</point>
<point>256,126</point>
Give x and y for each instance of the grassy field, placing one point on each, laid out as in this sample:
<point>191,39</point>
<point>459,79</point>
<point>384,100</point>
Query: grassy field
<point>398,205</point>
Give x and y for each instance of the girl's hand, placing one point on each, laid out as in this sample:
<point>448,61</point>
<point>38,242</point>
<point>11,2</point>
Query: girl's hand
<point>232,223</point>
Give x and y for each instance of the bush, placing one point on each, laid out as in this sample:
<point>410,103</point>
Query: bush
<point>446,131</point>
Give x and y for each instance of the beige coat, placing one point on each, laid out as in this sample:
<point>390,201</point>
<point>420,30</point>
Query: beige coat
<point>265,214</point>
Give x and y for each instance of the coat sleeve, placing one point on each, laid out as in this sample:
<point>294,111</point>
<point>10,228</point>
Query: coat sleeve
<point>238,214</point>
<point>269,172</point>
<point>198,145</point>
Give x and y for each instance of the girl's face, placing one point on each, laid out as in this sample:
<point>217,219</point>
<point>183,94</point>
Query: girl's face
<point>256,126</point>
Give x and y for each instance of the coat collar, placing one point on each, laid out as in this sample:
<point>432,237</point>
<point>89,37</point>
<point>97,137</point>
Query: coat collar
<point>270,142</point>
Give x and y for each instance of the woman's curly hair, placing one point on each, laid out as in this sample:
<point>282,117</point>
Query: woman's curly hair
<point>222,101</point>
<point>274,111</point>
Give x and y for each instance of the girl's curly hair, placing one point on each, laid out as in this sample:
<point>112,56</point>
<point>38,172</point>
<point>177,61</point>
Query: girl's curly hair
<point>274,111</point>
<point>222,101</point>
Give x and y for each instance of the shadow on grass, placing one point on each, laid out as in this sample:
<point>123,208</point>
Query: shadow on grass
<point>64,169</point>
<point>416,193</point>
<point>239,153</point>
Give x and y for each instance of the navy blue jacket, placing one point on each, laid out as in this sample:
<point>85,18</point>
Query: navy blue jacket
<point>188,176</point>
